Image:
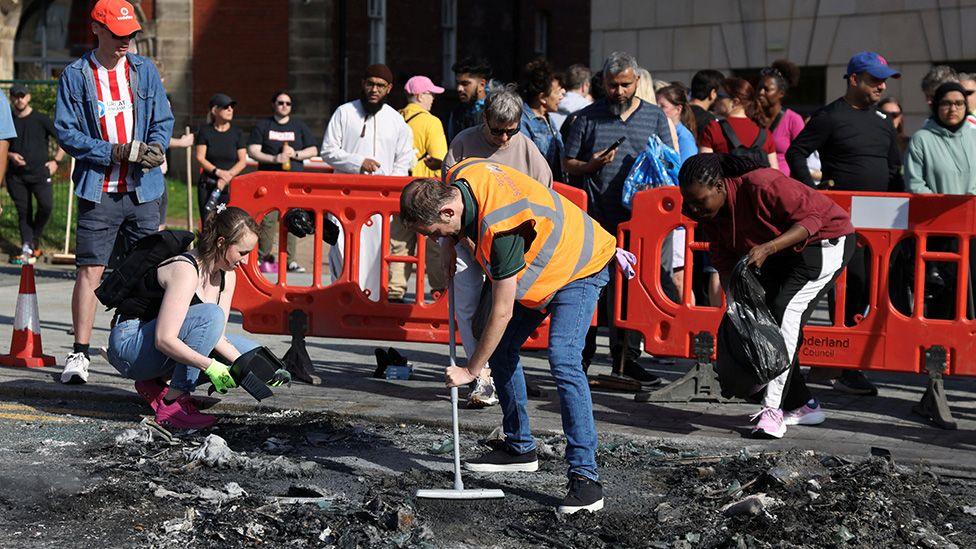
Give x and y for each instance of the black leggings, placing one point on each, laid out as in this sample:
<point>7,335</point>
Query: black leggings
<point>31,222</point>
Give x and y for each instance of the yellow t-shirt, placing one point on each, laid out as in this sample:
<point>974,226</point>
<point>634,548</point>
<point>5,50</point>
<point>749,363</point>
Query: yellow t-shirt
<point>428,138</point>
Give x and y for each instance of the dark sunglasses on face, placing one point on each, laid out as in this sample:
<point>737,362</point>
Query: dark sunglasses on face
<point>499,131</point>
<point>120,38</point>
<point>284,103</point>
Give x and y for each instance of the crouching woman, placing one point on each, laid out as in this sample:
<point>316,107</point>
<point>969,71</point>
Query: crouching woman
<point>173,337</point>
<point>799,238</point>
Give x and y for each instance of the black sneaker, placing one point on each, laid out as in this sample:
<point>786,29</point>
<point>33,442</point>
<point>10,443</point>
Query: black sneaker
<point>853,382</point>
<point>634,370</point>
<point>504,460</point>
<point>584,495</point>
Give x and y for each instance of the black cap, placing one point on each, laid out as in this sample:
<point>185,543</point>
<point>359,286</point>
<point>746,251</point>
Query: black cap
<point>19,89</point>
<point>221,100</point>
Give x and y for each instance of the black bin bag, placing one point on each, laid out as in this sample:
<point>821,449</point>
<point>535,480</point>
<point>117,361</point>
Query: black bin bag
<point>751,350</point>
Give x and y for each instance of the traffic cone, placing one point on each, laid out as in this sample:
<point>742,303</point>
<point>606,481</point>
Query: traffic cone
<point>25,343</point>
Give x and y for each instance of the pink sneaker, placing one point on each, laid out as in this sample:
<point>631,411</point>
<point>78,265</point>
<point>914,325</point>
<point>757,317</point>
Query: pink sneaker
<point>268,267</point>
<point>182,413</point>
<point>151,390</point>
<point>770,424</point>
<point>806,415</point>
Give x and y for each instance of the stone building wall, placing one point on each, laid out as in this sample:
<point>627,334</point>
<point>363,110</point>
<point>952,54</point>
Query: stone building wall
<point>673,39</point>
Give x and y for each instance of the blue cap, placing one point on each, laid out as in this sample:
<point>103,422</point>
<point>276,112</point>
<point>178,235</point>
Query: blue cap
<point>871,63</point>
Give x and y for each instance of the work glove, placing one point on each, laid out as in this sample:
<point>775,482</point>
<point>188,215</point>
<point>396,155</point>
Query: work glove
<point>626,262</point>
<point>153,156</point>
<point>121,151</point>
<point>280,378</point>
<point>134,152</point>
<point>220,376</point>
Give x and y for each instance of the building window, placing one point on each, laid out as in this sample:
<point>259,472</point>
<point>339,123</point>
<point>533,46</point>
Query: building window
<point>46,39</point>
<point>449,41</point>
<point>376,11</point>
<point>542,33</point>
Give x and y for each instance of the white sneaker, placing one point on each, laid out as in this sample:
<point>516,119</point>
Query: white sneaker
<point>75,369</point>
<point>483,394</point>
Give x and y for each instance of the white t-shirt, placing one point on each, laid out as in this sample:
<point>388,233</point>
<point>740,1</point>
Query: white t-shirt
<point>115,119</point>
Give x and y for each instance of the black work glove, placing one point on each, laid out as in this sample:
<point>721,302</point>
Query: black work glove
<point>153,157</point>
<point>134,151</point>
<point>120,152</point>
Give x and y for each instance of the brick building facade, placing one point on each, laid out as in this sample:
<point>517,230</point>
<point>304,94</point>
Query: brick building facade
<point>317,49</point>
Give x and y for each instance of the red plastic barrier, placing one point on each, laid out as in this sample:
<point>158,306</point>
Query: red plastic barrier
<point>885,339</point>
<point>341,309</point>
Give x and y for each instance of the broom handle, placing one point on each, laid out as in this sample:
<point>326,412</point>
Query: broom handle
<point>189,187</point>
<point>458,485</point>
<point>71,203</point>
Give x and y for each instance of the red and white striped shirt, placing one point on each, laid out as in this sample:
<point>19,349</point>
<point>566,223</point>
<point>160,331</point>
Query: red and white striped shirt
<point>115,118</point>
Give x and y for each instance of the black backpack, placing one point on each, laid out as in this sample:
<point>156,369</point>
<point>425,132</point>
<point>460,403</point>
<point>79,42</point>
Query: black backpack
<point>148,252</point>
<point>736,148</point>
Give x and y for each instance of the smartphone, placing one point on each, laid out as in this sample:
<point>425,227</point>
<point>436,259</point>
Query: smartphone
<point>614,146</point>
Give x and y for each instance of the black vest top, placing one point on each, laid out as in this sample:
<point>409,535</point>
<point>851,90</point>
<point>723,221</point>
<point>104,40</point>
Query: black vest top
<point>147,296</point>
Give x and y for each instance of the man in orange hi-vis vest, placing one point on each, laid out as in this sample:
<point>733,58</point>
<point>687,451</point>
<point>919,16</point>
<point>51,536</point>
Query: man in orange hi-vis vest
<point>544,257</point>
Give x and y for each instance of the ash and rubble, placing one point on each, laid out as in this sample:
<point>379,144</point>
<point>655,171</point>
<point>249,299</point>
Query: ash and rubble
<point>317,480</point>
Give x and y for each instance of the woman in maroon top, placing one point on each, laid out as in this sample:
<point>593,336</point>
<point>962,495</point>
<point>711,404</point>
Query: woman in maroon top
<point>741,121</point>
<point>799,238</point>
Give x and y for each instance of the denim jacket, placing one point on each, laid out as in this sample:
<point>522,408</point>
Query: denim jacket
<point>76,122</point>
<point>543,133</point>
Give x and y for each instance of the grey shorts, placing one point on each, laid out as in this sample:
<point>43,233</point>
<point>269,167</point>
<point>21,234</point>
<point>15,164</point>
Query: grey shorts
<point>118,214</point>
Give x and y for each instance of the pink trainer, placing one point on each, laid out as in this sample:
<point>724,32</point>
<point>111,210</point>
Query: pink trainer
<point>152,391</point>
<point>182,413</point>
<point>806,415</point>
<point>770,424</point>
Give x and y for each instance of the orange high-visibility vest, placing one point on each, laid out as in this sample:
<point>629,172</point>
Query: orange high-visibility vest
<point>567,244</point>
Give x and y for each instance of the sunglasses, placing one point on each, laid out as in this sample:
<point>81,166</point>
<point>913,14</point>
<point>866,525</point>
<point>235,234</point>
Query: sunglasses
<point>499,131</point>
<point>128,37</point>
<point>283,103</point>
<point>893,114</point>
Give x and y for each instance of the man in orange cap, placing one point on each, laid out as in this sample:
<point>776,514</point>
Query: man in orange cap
<point>113,117</point>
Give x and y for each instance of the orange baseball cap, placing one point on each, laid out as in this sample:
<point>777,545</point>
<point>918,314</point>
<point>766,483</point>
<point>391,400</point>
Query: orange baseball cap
<point>118,15</point>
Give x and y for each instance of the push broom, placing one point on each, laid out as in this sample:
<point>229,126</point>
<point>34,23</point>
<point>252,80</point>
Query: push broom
<point>458,492</point>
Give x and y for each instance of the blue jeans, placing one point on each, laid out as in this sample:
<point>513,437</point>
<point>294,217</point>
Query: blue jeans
<point>132,346</point>
<point>571,310</point>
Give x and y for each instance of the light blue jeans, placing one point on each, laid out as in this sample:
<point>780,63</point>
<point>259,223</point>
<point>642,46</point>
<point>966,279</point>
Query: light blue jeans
<point>571,311</point>
<point>132,346</point>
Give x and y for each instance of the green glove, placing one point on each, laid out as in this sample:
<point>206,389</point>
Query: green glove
<point>220,376</point>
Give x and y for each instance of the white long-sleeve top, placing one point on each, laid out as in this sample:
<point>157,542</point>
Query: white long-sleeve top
<point>352,137</point>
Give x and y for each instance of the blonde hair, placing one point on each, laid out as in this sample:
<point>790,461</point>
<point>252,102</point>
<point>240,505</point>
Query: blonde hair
<point>645,86</point>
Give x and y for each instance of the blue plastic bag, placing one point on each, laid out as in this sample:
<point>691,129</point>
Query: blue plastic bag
<point>656,166</point>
